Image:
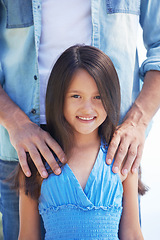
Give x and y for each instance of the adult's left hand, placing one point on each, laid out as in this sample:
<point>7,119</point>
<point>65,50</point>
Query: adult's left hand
<point>128,140</point>
<point>127,143</point>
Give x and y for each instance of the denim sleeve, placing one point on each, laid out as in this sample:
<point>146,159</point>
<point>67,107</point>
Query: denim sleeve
<point>150,23</point>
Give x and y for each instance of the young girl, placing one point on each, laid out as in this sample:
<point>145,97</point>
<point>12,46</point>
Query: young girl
<point>85,200</point>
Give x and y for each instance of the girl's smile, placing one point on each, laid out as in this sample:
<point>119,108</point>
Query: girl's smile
<point>83,108</point>
<point>86,119</point>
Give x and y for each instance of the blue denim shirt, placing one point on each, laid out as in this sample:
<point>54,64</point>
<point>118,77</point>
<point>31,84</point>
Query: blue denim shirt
<point>114,31</point>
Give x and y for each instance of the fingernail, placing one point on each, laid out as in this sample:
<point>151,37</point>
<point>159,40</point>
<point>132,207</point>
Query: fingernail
<point>63,160</point>
<point>28,174</point>
<point>115,169</point>
<point>125,171</point>
<point>134,170</point>
<point>57,171</point>
<point>44,174</point>
<point>109,161</point>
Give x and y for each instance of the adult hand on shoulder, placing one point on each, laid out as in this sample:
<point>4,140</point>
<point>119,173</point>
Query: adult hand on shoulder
<point>26,136</point>
<point>128,140</point>
<point>29,137</point>
<point>127,143</point>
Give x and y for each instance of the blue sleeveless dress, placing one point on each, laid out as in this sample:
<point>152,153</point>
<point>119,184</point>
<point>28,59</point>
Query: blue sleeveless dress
<point>69,212</point>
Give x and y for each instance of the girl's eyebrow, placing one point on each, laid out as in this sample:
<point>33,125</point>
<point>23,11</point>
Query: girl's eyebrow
<point>78,91</point>
<point>74,91</point>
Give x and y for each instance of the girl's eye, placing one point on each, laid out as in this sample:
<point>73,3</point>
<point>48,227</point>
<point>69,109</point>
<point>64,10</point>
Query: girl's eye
<point>97,97</point>
<point>75,96</point>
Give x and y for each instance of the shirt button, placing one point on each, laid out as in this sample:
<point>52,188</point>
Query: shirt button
<point>35,77</point>
<point>33,111</point>
<point>110,10</point>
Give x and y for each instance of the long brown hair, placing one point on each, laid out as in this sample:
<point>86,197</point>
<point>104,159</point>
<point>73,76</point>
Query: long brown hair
<point>101,68</point>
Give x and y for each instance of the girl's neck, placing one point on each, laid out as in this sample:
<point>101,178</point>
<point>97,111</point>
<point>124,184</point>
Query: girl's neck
<point>84,141</point>
<point>82,157</point>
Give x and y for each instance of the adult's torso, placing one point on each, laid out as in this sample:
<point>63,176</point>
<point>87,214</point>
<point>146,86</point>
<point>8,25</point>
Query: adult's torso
<point>114,31</point>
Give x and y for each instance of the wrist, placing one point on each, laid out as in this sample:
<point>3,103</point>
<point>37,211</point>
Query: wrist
<point>136,116</point>
<point>10,114</point>
<point>14,117</point>
<point>148,101</point>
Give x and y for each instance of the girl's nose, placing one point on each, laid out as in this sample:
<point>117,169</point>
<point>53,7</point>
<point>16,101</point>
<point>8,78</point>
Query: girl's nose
<point>87,105</point>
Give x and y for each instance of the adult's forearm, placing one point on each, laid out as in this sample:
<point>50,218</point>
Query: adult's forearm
<point>10,112</point>
<point>148,101</point>
<point>128,140</point>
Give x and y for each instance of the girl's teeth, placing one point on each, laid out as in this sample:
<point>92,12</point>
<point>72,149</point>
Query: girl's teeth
<point>84,118</point>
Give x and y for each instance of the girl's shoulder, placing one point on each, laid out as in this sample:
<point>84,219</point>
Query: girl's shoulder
<point>104,146</point>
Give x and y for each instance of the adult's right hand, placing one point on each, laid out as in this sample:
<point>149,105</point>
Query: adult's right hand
<point>29,137</point>
<point>26,136</point>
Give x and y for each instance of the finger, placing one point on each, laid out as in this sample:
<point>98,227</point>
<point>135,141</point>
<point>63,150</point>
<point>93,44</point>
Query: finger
<point>138,158</point>
<point>36,158</point>
<point>55,167</point>
<point>47,154</point>
<point>131,156</point>
<point>56,148</point>
<point>23,162</point>
<point>112,148</point>
<point>120,155</point>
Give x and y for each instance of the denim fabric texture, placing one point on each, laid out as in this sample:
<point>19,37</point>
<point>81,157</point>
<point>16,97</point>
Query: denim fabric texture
<point>9,202</point>
<point>19,13</point>
<point>114,30</point>
<point>123,6</point>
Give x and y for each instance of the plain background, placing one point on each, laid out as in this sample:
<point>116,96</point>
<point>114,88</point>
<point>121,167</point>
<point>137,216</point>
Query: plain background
<point>150,206</point>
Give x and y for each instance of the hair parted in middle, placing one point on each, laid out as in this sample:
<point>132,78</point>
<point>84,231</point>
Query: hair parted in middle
<point>102,70</point>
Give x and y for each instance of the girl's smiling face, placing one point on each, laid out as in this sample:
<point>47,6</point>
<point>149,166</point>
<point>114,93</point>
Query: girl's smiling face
<point>83,108</point>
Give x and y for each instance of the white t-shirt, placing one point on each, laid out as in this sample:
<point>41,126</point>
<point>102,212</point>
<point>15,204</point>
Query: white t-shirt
<point>64,23</point>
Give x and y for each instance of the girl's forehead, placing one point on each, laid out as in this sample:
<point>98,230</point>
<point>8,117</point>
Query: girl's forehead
<point>82,80</point>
